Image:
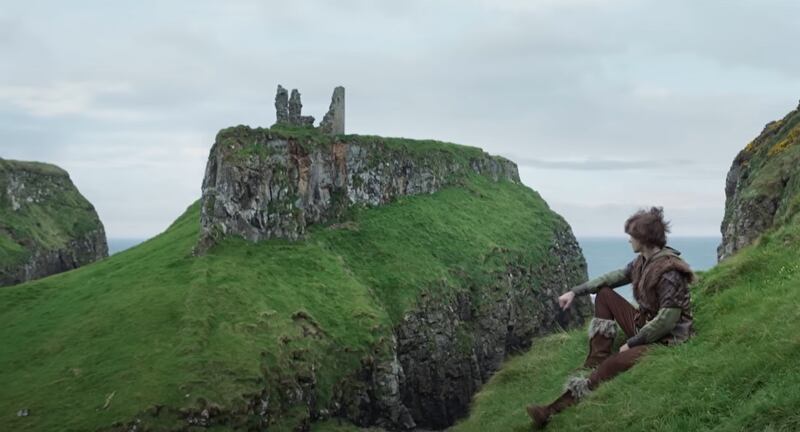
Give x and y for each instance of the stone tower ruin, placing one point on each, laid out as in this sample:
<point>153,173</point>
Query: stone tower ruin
<point>333,122</point>
<point>288,110</point>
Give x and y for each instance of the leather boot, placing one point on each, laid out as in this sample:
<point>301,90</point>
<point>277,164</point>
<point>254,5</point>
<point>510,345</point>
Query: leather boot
<point>601,339</point>
<point>575,389</point>
<point>540,414</point>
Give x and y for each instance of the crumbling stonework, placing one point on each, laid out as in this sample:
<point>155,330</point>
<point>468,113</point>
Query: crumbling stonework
<point>282,105</point>
<point>295,107</point>
<point>289,111</point>
<point>333,122</point>
<point>296,116</point>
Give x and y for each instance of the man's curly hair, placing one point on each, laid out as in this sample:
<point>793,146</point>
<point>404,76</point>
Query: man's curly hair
<point>648,226</point>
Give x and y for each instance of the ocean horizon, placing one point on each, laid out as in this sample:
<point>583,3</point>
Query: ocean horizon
<point>116,245</point>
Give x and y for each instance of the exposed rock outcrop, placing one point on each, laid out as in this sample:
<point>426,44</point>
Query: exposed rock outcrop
<point>447,348</point>
<point>259,184</point>
<point>262,184</point>
<point>46,226</point>
<point>762,184</point>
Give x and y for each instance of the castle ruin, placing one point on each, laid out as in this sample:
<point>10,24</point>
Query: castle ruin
<point>288,110</point>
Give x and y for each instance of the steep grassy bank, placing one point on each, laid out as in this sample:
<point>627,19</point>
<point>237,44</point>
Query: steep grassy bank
<point>154,327</point>
<point>739,373</point>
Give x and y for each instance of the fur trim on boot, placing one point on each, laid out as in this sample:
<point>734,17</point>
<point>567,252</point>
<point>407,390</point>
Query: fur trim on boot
<point>604,327</point>
<point>578,387</point>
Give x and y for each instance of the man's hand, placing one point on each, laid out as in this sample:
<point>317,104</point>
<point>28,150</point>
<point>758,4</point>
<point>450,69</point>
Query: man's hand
<point>624,348</point>
<point>566,300</point>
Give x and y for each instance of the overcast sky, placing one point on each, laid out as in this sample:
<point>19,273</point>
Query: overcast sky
<point>607,106</point>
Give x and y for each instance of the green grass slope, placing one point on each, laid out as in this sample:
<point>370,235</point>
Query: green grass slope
<point>156,326</point>
<point>740,373</point>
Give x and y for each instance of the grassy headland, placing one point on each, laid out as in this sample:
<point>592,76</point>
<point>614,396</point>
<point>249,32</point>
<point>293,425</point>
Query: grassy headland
<point>154,326</point>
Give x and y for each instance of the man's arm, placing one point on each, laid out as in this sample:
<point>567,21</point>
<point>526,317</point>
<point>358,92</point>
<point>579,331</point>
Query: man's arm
<point>656,328</point>
<point>613,279</point>
<point>668,314</point>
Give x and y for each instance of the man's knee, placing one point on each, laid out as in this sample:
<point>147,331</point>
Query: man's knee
<point>603,294</point>
<point>616,364</point>
<point>625,360</point>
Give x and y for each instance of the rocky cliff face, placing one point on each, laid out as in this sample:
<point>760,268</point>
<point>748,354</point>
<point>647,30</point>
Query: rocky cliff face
<point>46,226</point>
<point>447,348</point>
<point>423,375</point>
<point>262,184</point>
<point>762,185</point>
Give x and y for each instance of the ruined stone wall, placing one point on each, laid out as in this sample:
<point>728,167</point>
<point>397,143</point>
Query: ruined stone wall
<point>333,122</point>
<point>289,111</point>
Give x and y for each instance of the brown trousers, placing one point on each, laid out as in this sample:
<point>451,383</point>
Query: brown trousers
<point>612,306</point>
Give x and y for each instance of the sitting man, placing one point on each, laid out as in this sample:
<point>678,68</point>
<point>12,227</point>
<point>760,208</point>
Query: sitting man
<point>660,281</point>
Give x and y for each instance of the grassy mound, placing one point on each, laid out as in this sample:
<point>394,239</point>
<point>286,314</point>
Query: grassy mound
<point>155,326</point>
<point>741,371</point>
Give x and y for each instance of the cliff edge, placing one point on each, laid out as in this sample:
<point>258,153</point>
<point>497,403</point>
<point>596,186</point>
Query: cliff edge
<point>279,183</point>
<point>763,185</point>
<point>274,183</point>
<point>46,225</point>
<point>358,279</point>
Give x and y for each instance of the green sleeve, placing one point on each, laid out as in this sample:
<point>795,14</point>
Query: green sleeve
<point>656,328</point>
<point>613,279</point>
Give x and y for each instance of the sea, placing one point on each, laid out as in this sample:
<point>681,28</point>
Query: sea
<point>603,254</point>
<point>116,245</point>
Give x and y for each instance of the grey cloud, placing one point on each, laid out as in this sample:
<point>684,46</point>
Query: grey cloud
<point>577,89</point>
<point>750,34</point>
